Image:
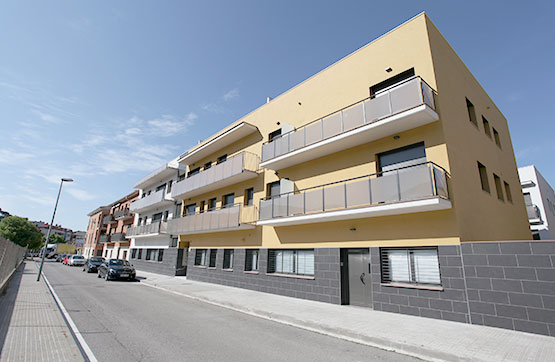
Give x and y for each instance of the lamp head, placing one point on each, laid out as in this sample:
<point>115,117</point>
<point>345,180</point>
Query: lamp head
<point>67,180</point>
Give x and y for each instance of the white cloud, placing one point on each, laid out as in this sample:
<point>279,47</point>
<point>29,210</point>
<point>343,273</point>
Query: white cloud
<point>232,94</point>
<point>213,108</point>
<point>81,195</point>
<point>46,117</point>
<point>10,157</point>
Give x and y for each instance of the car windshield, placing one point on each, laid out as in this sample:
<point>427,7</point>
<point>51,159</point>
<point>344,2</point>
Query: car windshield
<point>77,257</point>
<point>119,262</point>
<point>96,258</point>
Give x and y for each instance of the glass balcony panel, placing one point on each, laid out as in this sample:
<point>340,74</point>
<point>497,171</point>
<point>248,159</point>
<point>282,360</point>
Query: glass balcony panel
<point>313,133</point>
<point>314,201</point>
<point>385,188</point>
<point>213,219</point>
<point>228,168</point>
<point>282,145</point>
<point>334,197</point>
<point>377,108</point>
<point>415,182</point>
<point>296,204</point>
<point>237,163</point>
<point>268,151</point>
<point>222,218</point>
<point>353,117</point>
<point>358,193</point>
<point>441,183</point>
<point>218,172</point>
<point>280,206</point>
<point>331,125</point>
<point>297,139</point>
<point>427,94</point>
<point>405,96</point>
<point>234,216</point>
<point>266,209</point>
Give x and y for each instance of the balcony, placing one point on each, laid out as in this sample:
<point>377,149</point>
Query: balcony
<point>123,214</point>
<point>118,237</point>
<point>534,215</point>
<point>104,239</point>
<point>154,229</point>
<point>108,219</point>
<point>235,217</point>
<point>154,200</point>
<point>406,190</point>
<point>238,168</point>
<point>404,106</point>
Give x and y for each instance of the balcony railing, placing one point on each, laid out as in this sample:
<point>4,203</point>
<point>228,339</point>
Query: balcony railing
<point>399,98</point>
<point>123,214</point>
<point>534,214</point>
<point>404,184</point>
<point>157,227</point>
<point>148,201</point>
<point>235,169</point>
<point>233,217</point>
<point>104,238</point>
<point>118,237</point>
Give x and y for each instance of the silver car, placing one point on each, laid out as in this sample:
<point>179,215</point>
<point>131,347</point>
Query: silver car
<point>76,260</point>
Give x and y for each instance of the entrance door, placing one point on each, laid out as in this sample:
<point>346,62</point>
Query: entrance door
<point>359,282</point>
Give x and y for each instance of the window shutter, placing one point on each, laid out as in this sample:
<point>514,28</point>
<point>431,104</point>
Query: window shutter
<point>272,261</point>
<point>213,253</point>
<point>426,266</point>
<point>248,261</point>
<point>198,256</point>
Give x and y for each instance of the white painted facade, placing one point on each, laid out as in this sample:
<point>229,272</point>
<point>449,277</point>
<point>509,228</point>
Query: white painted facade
<point>540,199</point>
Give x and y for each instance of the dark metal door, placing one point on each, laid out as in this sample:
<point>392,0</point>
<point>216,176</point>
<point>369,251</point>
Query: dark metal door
<point>360,284</point>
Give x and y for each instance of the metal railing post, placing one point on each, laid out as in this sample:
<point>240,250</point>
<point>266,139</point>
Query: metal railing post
<point>398,185</point>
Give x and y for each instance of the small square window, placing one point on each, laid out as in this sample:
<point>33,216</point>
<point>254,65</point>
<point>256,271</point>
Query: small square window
<point>249,196</point>
<point>228,259</point>
<point>471,112</point>
<point>419,266</point>
<point>508,192</point>
<point>207,165</point>
<point>212,204</point>
<point>496,137</point>
<point>221,159</point>
<point>201,257</point>
<point>486,127</point>
<point>498,187</point>
<point>251,260</point>
<point>483,177</point>
<point>228,200</point>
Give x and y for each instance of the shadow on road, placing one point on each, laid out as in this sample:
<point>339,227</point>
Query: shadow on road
<point>7,303</point>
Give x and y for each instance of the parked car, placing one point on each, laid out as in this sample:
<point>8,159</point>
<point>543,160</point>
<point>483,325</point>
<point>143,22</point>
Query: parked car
<point>60,258</point>
<point>91,265</point>
<point>116,269</point>
<point>76,260</point>
<point>66,259</point>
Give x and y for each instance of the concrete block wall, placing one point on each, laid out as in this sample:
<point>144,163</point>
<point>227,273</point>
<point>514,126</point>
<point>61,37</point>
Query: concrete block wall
<point>324,287</point>
<point>448,304</point>
<point>511,285</point>
<point>166,267</point>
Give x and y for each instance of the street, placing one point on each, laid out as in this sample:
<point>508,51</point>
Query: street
<point>126,321</point>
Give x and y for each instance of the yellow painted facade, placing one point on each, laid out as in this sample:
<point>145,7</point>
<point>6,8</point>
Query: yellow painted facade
<point>453,143</point>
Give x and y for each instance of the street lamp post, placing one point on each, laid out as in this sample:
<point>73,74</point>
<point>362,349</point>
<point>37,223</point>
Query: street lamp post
<point>50,227</point>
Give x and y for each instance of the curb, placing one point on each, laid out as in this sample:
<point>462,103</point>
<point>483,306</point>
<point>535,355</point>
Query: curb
<point>387,345</point>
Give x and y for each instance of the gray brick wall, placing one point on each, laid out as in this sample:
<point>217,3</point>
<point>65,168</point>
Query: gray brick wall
<point>166,267</point>
<point>512,285</point>
<point>325,287</point>
<point>449,304</point>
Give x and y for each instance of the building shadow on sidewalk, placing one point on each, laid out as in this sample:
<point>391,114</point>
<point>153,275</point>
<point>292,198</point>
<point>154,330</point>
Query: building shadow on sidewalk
<point>7,303</point>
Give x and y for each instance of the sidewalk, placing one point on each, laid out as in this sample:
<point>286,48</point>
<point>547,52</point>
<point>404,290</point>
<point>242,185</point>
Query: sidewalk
<point>429,339</point>
<point>32,327</point>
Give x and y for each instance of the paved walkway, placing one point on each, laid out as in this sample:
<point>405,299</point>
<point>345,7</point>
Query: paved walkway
<point>32,327</point>
<point>429,339</point>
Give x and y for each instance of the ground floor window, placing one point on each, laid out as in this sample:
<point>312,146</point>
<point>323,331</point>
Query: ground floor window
<point>298,261</point>
<point>133,253</point>
<point>201,257</point>
<point>251,260</point>
<point>213,254</point>
<point>410,265</point>
<point>160,254</point>
<point>151,254</point>
<point>228,259</point>
<point>140,254</point>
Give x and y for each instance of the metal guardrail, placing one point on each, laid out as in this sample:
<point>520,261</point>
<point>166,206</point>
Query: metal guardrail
<point>398,98</point>
<point>228,217</point>
<point>118,237</point>
<point>122,214</point>
<point>104,238</point>
<point>147,201</point>
<point>244,161</point>
<point>403,184</point>
<point>157,227</point>
<point>108,219</point>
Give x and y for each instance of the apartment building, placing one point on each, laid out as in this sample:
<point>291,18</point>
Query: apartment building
<point>364,184</point>
<point>115,242</point>
<point>65,233</point>
<point>540,202</point>
<point>95,230</point>
<point>153,248</point>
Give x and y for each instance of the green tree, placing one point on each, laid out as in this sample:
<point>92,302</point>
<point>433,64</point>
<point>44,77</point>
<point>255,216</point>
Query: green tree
<point>21,231</point>
<point>56,239</point>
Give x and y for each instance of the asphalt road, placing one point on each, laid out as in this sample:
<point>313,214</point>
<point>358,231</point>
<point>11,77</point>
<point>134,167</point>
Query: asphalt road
<point>126,321</point>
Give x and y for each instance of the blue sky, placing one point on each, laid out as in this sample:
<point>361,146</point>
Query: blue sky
<point>106,91</point>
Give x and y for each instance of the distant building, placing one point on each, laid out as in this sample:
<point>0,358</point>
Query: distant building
<point>540,202</point>
<point>79,238</point>
<point>65,233</point>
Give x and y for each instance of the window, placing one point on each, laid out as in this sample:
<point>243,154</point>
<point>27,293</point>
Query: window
<point>273,189</point>
<point>249,197</point>
<point>160,254</point>
<point>207,165</point>
<point>483,177</point>
<point>471,112</point>
<point>251,260</point>
<point>170,183</point>
<point>202,206</point>
<point>200,257</point>
<point>376,88</point>
<point>173,243</point>
<point>161,187</point>
<point>151,254</point>
<point>274,134</point>
<point>411,155</point>
<point>410,265</point>
<point>166,214</point>
<point>228,200</point>
<point>212,204</point>
<point>498,187</point>
<point>536,236</point>
<point>299,262</point>
<point>193,172</point>
<point>228,259</point>
<point>496,137</point>
<point>140,254</point>
<point>180,177</point>
<point>140,221</point>
<point>221,159</point>
<point>213,254</point>
<point>133,253</point>
<point>178,209</point>
<point>486,126</point>
<point>190,209</point>
<point>156,217</point>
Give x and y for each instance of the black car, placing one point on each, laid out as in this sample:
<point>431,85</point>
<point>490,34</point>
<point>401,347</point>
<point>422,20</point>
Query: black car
<point>116,269</point>
<point>91,265</point>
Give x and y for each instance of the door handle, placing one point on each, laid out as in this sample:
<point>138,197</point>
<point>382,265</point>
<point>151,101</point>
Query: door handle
<point>362,278</point>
